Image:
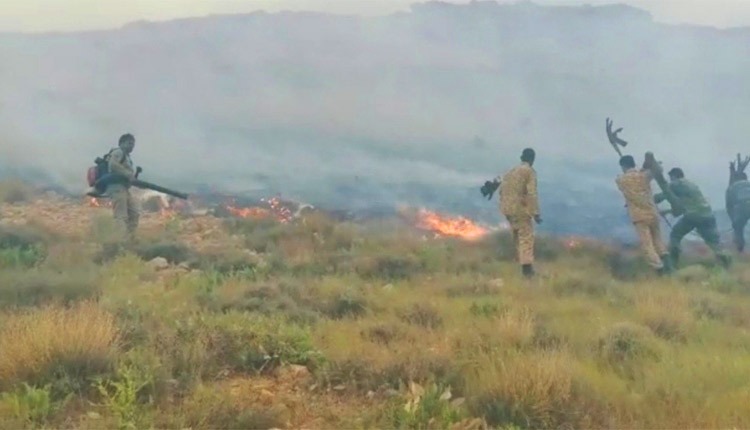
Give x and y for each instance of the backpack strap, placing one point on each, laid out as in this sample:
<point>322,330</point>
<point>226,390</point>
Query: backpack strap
<point>109,154</point>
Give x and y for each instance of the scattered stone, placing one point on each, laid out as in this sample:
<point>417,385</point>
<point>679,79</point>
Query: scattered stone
<point>339,388</point>
<point>294,373</point>
<point>299,371</point>
<point>497,283</point>
<point>93,415</point>
<point>388,287</point>
<point>159,263</point>
<point>391,393</point>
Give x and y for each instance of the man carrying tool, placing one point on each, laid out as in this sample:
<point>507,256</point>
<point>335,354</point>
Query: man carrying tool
<point>519,204</point>
<point>738,208</point>
<point>124,206</point>
<point>696,214</point>
<point>635,186</point>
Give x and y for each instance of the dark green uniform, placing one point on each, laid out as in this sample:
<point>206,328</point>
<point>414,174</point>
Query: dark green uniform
<point>738,209</point>
<point>697,215</point>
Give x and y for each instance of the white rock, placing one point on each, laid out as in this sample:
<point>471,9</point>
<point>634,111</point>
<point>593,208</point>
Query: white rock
<point>159,263</point>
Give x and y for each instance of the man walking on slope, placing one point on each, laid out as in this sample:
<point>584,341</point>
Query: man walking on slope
<point>697,215</point>
<point>635,186</point>
<point>519,204</point>
<point>738,208</point>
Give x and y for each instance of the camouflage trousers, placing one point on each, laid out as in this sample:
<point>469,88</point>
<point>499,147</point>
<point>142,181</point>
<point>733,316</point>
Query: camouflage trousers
<point>125,209</point>
<point>523,237</point>
<point>652,245</point>
<point>740,218</point>
<point>706,228</point>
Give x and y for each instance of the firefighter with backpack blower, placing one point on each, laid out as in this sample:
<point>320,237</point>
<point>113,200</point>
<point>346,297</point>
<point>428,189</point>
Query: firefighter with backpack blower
<point>113,175</point>
<point>118,162</point>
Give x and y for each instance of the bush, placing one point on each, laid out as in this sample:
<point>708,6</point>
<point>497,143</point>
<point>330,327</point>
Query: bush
<point>625,346</point>
<point>42,345</point>
<point>432,407</point>
<point>668,316</point>
<point>389,267</point>
<point>245,342</point>
<point>14,191</point>
<point>422,314</point>
<point>28,407</point>
<point>21,247</point>
<point>229,261</point>
<point>173,252</point>
<point>580,283</point>
<point>208,407</point>
<point>535,391</point>
<point>38,287</point>
<point>710,307</point>
<point>383,333</point>
<point>345,305</point>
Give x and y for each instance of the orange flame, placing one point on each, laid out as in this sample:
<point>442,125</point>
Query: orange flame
<point>275,211</point>
<point>96,203</point>
<point>443,225</point>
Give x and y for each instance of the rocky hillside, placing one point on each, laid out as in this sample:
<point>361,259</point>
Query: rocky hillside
<point>366,113</point>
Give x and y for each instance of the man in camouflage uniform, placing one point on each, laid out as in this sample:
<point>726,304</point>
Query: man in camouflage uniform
<point>738,208</point>
<point>519,204</point>
<point>697,215</point>
<point>124,206</point>
<point>635,186</point>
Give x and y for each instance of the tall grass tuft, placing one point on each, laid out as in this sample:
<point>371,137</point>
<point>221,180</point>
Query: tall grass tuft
<point>41,345</point>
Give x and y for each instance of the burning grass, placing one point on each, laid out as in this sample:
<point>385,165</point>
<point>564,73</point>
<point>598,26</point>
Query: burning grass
<point>290,318</point>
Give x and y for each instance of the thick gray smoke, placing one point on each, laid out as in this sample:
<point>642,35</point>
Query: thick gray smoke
<point>418,107</point>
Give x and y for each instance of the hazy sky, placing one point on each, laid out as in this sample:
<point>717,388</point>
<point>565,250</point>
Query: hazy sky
<point>71,15</point>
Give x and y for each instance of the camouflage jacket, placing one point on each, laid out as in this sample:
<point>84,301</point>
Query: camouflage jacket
<point>518,192</point>
<point>690,196</point>
<point>737,194</point>
<point>635,186</point>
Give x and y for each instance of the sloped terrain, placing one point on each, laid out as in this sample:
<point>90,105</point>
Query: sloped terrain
<point>231,322</point>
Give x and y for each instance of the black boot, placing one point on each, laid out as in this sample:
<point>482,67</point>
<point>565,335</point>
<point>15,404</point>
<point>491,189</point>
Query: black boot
<point>668,267</point>
<point>527,270</point>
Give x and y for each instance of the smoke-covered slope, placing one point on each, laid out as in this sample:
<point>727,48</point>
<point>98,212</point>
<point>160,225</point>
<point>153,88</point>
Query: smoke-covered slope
<point>419,107</point>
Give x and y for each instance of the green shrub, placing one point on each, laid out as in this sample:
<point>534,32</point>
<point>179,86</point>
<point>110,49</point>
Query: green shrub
<point>626,346</point>
<point>246,342</point>
<point>208,407</point>
<point>38,287</point>
<point>422,314</point>
<point>22,247</point>
<point>433,407</point>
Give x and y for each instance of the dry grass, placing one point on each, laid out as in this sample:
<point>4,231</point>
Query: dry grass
<point>531,391</point>
<point>516,327</point>
<point>371,311</point>
<point>81,340</point>
<point>667,313</point>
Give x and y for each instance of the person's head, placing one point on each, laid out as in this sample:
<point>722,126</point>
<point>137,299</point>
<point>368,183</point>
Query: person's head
<point>127,142</point>
<point>627,162</point>
<point>528,155</point>
<point>676,173</point>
